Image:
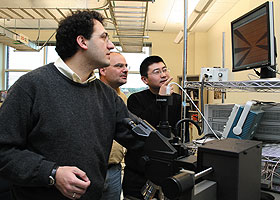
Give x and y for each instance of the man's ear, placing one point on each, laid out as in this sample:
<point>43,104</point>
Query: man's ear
<point>144,79</point>
<point>82,42</point>
<point>102,71</point>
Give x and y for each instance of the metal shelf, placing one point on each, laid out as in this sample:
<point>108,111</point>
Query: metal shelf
<point>262,85</point>
<point>129,17</point>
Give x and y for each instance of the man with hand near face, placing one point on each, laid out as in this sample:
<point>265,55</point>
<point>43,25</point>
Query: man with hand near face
<point>115,75</point>
<point>155,74</point>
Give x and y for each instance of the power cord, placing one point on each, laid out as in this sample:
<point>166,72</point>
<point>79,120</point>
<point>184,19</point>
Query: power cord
<point>269,68</point>
<point>273,70</point>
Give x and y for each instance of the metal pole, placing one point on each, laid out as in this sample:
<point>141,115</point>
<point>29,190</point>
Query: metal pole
<point>184,111</point>
<point>223,65</point>
<point>203,173</point>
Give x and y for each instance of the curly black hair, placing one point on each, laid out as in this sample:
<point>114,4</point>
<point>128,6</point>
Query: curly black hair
<point>144,67</point>
<point>80,23</point>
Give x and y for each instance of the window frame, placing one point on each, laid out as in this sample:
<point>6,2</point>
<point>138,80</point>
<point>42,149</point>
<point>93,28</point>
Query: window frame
<point>7,68</point>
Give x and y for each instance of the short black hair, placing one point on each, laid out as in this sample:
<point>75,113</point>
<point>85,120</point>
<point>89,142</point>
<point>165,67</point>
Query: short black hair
<point>80,23</point>
<point>147,62</point>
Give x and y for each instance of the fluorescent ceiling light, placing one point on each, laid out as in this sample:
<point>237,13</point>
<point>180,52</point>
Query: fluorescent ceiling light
<point>191,7</point>
<point>177,14</point>
<point>192,4</point>
<point>179,37</point>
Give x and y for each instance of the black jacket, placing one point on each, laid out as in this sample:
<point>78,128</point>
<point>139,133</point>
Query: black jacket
<point>144,105</point>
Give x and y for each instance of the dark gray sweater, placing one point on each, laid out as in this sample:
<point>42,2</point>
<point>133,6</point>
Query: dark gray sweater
<point>47,119</point>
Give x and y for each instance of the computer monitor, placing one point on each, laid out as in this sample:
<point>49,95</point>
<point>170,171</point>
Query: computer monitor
<point>253,41</point>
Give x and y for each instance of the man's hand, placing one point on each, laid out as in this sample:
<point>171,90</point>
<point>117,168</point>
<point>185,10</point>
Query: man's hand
<point>71,182</point>
<point>162,89</point>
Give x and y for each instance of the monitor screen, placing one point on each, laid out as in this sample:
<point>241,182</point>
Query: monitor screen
<point>253,44</point>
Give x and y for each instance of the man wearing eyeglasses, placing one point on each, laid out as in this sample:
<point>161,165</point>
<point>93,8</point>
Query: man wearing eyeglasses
<point>58,122</point>
<point>115,75</point>
<point>155,74</point>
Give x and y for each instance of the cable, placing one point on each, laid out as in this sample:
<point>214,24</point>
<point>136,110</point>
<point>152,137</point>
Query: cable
<point>253,76</point>
<point>269,68</point>
<point>173,83</point>
<point>273,70</point>
<point>258,73</point>
<point>202,101</point>
<point>187,120</point>
<point>273,171</point>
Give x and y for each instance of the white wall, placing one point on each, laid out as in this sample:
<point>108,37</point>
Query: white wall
<point>163,45</point>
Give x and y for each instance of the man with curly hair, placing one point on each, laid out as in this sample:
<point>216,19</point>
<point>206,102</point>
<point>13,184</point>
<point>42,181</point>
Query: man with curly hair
<point>58,121</point>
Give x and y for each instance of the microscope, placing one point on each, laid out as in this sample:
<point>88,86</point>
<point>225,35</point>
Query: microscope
<point>228,169</point>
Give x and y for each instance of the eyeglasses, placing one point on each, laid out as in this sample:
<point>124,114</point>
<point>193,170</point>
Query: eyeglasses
<point>121,65</point>
<point>105,36</point>
<point>159,71</point>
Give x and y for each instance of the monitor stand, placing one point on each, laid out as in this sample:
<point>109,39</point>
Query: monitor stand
<point>268,73</point>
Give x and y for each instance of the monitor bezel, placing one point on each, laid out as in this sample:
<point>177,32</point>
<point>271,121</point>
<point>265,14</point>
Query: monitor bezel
<point>270,34</point>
